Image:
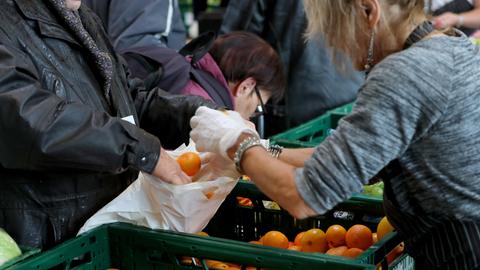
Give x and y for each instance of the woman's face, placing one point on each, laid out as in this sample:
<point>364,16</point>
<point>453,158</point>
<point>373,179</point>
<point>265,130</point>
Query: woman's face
<point>246,98</point>
<point>73,4</point>
<point>247,104</point>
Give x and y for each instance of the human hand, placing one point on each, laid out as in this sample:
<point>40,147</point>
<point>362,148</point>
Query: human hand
<point>217,131</point>
<point>168,170</point>
<point>215,166</point>
<point>445,20</point>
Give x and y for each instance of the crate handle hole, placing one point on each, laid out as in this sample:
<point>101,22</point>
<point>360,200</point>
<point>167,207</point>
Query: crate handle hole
<point>93,239</point>
<point>81,260</point>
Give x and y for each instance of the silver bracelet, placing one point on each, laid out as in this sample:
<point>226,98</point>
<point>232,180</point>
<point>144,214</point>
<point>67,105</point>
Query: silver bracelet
<point>275,150</point>
<point>244,146</point>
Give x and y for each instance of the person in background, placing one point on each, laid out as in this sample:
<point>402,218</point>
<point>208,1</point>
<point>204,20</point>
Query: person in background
<point>462,14</point>
<point>75,130</point>
<point>415,120</point>
<point>247,66</point>
<point>314,84</point>
<point>140,23</point>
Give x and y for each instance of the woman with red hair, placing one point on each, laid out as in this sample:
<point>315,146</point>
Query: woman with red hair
<point>247,66</point>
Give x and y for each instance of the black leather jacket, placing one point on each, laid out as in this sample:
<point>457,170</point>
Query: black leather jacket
<point>314,84</point>
<point>64,153</point>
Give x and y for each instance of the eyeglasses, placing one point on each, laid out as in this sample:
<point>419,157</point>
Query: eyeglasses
<point>261,110</point>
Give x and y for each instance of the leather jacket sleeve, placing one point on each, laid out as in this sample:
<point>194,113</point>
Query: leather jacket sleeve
<point>165,115</point>
<point>40,131</point>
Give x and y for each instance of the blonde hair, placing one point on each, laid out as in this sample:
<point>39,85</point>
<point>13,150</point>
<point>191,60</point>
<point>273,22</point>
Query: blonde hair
<point>339,23</point>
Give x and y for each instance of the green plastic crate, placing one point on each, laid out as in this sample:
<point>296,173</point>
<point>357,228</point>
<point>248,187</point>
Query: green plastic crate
<point>125,246</point>
<point>26,253</point>
<point>233,221</point>
<point>312,132</point>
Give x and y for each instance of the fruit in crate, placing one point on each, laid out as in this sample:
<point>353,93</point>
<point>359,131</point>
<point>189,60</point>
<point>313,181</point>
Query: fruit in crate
<point>8,248</point>
<point>275,239</point>
<point>298,239</point>
<point>383,228</point>
<point>337,251</point>
<point>314,240</point>
<point>190,163</point>
<point>352,252</point>
<point>336,235</point>
<point>374,190</point>
<point>244,202</point>
<point>359,236</point>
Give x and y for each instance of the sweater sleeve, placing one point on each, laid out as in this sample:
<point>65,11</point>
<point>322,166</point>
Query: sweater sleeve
<point>397,106</point>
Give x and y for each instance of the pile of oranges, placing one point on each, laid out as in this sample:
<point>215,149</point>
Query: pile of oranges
<point>335,241</point>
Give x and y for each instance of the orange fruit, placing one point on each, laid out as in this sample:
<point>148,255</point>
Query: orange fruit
<point>219,265</point>
<point>244,202</point>
<point>202,233</point>
<point>298,239</point>
<point>359,236</point>
<point>186,260</point>
<point>314,240</point>
<point>275,239</point>
<point>374,238</point>
<point>337,251</point>
<point>190,163</point>
<point>383,228</point>
<point>352,252</point>
<point>397,251</point>
<point>336,235</point>
<point>296,248</point>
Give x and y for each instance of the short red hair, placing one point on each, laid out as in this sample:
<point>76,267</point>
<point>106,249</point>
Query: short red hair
<point>242,54</point>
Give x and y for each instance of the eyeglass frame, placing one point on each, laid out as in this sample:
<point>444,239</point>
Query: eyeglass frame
<point>261,109</point>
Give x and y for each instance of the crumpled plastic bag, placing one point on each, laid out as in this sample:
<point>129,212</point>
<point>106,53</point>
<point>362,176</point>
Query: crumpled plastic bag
<point>158,205</point>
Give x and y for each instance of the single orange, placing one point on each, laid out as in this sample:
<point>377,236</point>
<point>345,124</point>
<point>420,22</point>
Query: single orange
<point>359,236</point>
<point>314,240</point>
<point>383,228</point>
<point>337,251</point>
<point>219,265</point>
<point>202,234</point>
<point>190,163</point>
<point>336,235</point>
<point>352,252</point>
<point>298,239</point>
<point>186,260</point>
<point>275,239</point>
<point>397,251</point>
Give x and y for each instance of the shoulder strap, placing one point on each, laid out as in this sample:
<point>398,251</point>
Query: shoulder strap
<point>198,47</point>
<point>218,92</point>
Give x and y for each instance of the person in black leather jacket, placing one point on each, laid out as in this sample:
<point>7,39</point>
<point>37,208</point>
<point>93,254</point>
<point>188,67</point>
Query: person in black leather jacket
<point>65,150</point>
<point>314,84</point>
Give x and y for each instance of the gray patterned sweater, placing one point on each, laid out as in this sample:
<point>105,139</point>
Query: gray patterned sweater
<point>420,106</point>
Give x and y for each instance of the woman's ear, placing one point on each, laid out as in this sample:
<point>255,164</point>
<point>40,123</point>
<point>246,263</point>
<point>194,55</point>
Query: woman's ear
<point>245,87</point>
<point>372,12</point>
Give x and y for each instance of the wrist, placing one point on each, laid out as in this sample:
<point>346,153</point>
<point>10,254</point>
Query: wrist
<point>244,146</point>
<point>460,20</point>
<point>231,151</point>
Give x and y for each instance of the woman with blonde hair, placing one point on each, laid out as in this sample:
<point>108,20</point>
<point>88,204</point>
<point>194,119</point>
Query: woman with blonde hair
<point>416,119</point>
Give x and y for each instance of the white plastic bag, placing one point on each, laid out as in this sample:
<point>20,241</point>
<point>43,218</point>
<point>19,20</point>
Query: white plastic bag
<point>159,205</point>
